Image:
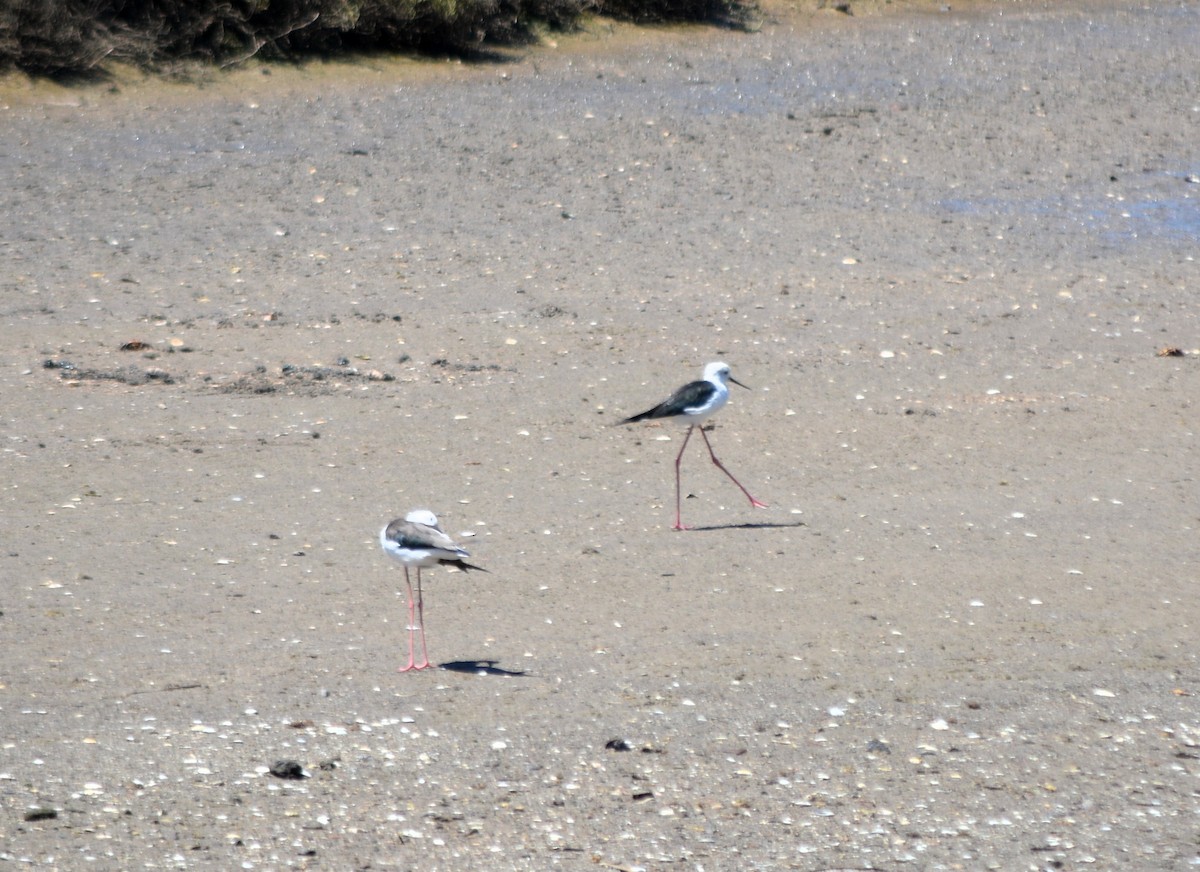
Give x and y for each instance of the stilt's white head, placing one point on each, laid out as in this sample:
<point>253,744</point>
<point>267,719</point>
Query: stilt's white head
<point>422,516</point>
<point>718,371</point>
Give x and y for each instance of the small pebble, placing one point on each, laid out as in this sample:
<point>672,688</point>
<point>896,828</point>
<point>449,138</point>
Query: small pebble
<point>289,769</point>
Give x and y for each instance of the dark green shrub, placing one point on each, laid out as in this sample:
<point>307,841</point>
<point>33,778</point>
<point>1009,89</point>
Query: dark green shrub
<point>73,36</point>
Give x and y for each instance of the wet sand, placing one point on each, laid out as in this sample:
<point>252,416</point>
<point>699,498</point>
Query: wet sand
<point>944,249</point>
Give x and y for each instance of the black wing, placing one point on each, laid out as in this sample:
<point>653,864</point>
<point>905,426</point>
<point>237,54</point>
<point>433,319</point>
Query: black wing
<point>692,395</point>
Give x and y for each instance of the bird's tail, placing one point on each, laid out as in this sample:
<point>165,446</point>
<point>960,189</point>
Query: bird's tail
<point>641,416</point>
<point>462,564</point>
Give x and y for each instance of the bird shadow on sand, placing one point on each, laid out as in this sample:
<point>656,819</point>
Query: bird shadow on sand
<point>479,667</point>
<point>749,526</point>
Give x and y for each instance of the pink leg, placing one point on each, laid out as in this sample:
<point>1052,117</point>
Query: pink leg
<point>721,466</point>
<point>411,626</point>
<point>679,457</point>
<point>421,621</point>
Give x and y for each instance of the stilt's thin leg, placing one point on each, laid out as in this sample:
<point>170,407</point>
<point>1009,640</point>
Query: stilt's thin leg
<point>721,466</point>
<point>421,621</point>
<point>678,458</point>
<point>411,626</point>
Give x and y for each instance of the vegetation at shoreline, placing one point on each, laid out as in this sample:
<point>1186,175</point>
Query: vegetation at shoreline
<point>71,37</point>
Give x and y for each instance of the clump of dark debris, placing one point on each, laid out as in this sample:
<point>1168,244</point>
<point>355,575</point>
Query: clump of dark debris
<point>127,375</point>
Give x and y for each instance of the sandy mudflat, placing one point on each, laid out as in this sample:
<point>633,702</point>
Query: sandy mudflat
<point>943,248</point>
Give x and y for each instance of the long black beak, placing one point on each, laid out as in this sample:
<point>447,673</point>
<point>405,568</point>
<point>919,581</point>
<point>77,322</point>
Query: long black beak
<point>738,383</point>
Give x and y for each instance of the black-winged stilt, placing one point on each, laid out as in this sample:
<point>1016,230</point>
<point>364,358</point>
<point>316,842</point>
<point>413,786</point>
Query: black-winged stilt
<point>692,405</point>
<point>417,540</point>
